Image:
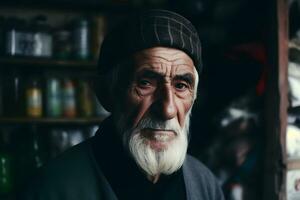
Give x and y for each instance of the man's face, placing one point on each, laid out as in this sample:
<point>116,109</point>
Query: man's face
<point>155,115</point>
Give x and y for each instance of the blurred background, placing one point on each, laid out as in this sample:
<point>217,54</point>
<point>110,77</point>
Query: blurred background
<point>48,54</point>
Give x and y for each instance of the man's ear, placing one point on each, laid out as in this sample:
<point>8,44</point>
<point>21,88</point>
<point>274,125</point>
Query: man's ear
<point>103,94</point>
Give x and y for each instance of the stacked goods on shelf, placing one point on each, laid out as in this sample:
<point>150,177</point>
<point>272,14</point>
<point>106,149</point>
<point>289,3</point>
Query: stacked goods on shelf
<point>240,148</point>
<point>52,97</point>
<point>23,149</point>
<point>33,98</point>
<point>6,161</point>
<point>12,93</point>
<point>78,39</point>
<point>293,126</point>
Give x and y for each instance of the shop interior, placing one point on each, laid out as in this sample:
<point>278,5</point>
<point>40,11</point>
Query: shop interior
<point>244,126</point>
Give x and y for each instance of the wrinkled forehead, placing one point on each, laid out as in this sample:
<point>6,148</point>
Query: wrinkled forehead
<point>161,57</point>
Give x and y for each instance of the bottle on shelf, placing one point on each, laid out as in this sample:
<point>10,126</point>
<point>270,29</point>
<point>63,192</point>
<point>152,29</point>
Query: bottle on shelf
<point>34,98</point>
<point>1,96</point>
<point>81,38</point>
<point>19,38</point>
<point>85,100</point>
<point>42,37</point>
<point>2,35</point>
<point>62,44</point>
<point>6,170</point>
<point>59,141</point>
<point>69,98</point>
<point>13,88</point>
<point>36,151</point>
<point>53,97</point>
<point>63,138</point>
<point>30,152</point>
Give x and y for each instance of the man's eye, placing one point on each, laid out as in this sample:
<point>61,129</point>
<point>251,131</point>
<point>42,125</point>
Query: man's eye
<point>181,86</point>
<point>144,83</point>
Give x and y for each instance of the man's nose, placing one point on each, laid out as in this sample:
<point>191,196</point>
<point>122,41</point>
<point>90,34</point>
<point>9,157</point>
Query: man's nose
<point>165,105</point>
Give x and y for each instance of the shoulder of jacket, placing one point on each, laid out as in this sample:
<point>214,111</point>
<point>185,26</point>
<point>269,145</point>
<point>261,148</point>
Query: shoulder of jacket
<point>71,158</point>
<point>69,167</point>
<point>196,171</point>
<point>72,175</point>
<point>200,181</point>
<point>196,165</point>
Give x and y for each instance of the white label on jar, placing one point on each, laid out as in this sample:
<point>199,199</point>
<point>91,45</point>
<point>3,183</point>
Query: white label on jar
<point>19,43</point>
<point>42,45</point>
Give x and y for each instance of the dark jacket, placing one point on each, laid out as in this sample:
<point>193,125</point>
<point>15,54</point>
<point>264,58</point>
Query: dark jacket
<point>77,175</point>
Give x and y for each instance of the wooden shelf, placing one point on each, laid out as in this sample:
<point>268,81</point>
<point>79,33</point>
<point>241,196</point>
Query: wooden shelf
<point>45,62</point>
<point>80,6</point>
<point>52,121</point>
<point>293,164</point>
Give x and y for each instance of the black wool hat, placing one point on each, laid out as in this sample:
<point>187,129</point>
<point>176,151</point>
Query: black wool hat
<point>151,28</point>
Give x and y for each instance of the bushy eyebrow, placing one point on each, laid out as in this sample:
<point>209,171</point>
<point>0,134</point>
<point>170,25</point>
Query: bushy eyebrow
<point>150,74</point>
<point>187,77</point>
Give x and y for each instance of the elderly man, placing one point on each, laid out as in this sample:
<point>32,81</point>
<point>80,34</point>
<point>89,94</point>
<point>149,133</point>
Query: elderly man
<point>148,75</point>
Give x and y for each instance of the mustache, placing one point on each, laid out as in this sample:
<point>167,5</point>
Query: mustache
<point>155,124</point>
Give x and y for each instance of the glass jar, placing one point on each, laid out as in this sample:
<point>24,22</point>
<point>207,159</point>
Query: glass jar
<point>53,97</point>
<point>62,44</point>
<point>42,37</point>
<point>81,39</point>
<point>6,167</point>
<point>85,99</point>
<point>34,98</point>
<point>18,38</point>
<point>69,98</point>
<point>13,89</point>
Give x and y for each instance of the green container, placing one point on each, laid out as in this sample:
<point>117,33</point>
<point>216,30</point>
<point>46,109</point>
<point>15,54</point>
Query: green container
<point>6,182</point>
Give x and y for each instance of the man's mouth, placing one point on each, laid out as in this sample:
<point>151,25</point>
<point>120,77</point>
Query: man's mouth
<point>158,139</point>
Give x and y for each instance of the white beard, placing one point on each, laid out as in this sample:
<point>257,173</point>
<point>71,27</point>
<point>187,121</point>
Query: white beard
<point>152,161</point>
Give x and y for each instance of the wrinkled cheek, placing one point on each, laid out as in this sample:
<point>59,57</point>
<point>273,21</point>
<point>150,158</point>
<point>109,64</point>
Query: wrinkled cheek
<point>186,107</point>
<point>135,107</point>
